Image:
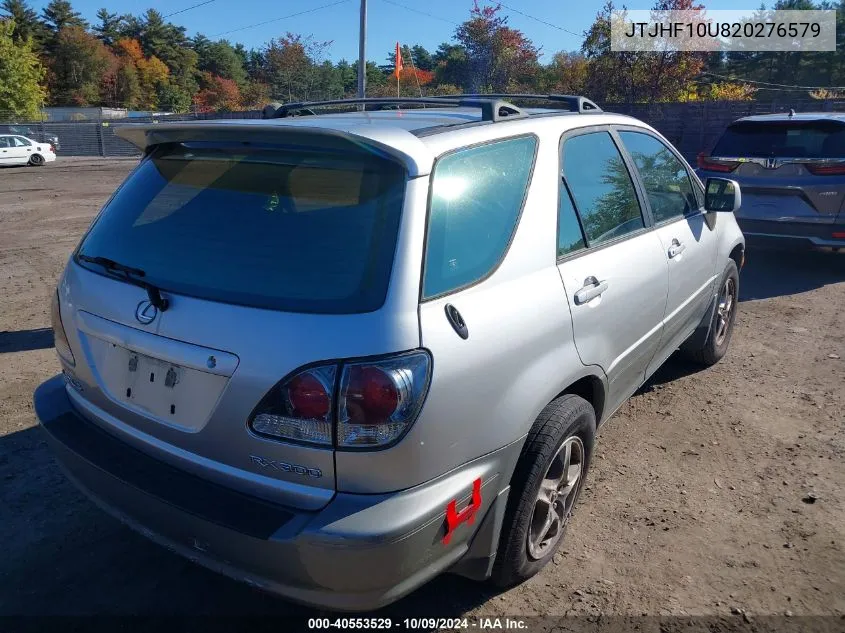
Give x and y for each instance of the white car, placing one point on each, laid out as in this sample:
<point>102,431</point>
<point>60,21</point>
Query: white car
<point>20,150</point>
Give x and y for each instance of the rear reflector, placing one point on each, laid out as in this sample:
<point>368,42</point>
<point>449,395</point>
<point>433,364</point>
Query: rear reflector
<point>723,166</point>
<point>821,169</point>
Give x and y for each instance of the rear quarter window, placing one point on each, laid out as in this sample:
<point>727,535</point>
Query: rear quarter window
<point>475,203</point>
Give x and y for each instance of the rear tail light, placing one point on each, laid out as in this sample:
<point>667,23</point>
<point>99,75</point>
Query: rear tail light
<point>821,169</point>
<point>299,408</point>
<point>380,400</point>
<point>838,235</point>
<point>52,149</point>
<point>59,336</point>
<point>372,405</point>
<point>724,166</point>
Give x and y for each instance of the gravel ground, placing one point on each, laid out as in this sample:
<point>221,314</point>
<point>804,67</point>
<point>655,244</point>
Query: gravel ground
<point>712,491</point>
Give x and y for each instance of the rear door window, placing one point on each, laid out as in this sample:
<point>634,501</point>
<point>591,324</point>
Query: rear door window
<point>601,187</point>
<point>666,180</point>
<point>787,139</point>
<point>476,199</point>
<point>274,227</point>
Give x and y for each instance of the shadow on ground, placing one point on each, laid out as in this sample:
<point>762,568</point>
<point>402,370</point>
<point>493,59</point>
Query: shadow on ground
<point>62,555</point>
<point>26,340</point>
<point>770,273</point>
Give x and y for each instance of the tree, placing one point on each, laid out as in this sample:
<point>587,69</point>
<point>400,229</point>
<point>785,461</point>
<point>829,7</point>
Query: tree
<point>59,14</point>
<point>291,66</point>
<point>21,73</point>
<point>422,58</point>
<point>25,19</point>
<point>499,58</point>
<point>255,95</point>
<point>451,64</point>
<point>169,44</point>
<point>631,77</point>
<point>109,30</point>
<point>152,74</point>
<point>220,58</point>
<point>566,74</point>
<point>77,68</point>
<point>218,94</point>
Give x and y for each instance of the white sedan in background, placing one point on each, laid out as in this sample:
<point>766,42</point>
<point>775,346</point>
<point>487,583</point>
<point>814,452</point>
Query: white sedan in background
<point>20,150</point>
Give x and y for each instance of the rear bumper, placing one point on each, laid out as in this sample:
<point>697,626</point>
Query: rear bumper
<point>358,553</point>
<point>797,235</point>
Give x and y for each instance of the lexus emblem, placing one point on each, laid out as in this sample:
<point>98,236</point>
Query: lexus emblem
<point>146,312</point>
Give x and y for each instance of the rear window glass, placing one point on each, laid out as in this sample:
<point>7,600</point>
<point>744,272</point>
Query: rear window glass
<point>788,139</point>
<point>272,227</point>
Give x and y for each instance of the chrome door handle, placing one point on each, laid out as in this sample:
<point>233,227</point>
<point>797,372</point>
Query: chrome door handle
<point>676,249</point>
<point>592,289</point>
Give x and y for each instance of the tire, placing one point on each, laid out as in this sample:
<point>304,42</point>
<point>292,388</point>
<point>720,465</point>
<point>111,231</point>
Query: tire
<point>722,326</point>
<point>36,160</point>
<point>567,421</point>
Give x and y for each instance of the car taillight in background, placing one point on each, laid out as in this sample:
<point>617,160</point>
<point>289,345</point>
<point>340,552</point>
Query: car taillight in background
<point>710,164</point>
<point>59,336</point>
<point>373,404</point>
<point>826,169</point>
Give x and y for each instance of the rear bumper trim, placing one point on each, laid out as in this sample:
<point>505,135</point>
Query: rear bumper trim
<point>812,234</point>
<point>189,493</point>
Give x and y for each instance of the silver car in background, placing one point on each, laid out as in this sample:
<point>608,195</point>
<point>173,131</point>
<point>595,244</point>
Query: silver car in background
<point>791,168</point>
<point>336,355</point>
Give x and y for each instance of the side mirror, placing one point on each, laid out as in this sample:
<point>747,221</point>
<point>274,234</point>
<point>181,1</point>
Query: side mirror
<point>722,194</point>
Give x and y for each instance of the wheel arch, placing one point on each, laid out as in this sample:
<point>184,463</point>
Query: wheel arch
<point>591,388</point>
<point>738,255</point>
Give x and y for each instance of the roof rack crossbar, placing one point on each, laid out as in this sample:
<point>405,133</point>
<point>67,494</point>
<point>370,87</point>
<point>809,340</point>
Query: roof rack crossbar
<point>492,109</point>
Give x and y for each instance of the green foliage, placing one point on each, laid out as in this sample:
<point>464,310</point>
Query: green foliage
<point>21,73</point>
<point>59,14</point>
<point>220,58</point>
<point>78,67</point>
<point>26,22</point>
<point>173,98</point>
<point>110,28</point>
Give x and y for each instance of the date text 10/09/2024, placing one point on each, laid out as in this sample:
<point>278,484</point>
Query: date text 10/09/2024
<point>481,624</point>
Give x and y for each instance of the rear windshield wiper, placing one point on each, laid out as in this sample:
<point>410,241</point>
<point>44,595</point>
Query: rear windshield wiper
<point>131,275</point>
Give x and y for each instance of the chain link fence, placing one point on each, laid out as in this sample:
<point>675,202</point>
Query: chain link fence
<point>692,127</point>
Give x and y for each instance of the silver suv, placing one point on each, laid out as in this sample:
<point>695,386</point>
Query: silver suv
<point>336,355</point>
<point>792,171</point>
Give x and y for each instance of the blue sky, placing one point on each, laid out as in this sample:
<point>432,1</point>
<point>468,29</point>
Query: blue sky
<point>387,21</point>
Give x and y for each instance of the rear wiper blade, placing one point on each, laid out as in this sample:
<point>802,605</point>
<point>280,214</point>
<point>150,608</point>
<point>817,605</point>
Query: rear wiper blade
<point>132,275</point>
<point>111,264</point>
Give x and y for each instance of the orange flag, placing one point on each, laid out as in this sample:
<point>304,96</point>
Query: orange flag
<point>399,65</point>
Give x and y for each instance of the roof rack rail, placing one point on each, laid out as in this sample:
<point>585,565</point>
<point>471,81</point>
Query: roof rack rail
<point>492,108</point>
<point>576,103</point>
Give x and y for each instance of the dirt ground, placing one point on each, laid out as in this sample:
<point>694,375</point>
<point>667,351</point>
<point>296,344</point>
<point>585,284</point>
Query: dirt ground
<point>711,491</point>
